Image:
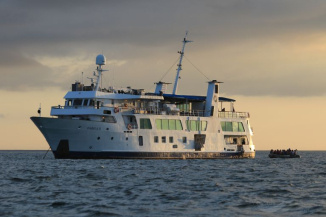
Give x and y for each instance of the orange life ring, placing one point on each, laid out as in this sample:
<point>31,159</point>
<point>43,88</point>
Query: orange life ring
<point>129,126</point>
<point>116,109</point>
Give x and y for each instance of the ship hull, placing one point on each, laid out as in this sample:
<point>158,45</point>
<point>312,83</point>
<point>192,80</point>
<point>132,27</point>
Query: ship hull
<point>151,155</point>
<point>82,139</point>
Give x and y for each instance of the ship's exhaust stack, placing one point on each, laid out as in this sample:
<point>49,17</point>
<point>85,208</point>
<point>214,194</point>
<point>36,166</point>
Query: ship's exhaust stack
<point>211,106</point>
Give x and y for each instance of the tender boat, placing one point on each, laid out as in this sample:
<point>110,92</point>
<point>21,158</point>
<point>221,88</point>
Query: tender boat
<point>283,156</point>
<point>97,122</point>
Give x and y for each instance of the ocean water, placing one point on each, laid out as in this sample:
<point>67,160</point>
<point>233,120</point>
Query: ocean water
<point>32,186</point>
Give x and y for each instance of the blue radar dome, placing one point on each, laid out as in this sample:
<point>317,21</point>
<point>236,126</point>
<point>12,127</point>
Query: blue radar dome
<point>100,60</point>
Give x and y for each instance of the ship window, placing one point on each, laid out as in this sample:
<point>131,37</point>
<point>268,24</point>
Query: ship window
<point>107,112</point>
<point>171,139</point>
<point>194,125</point>
<point>175,146</point>
<point>216,88</point>
<point>223,125</point>
<point>241,128</point>
<point>163,139</point>
<point>232,126</point>
<point>91,103</point>
<point>235,126</point>
<point>85,102</point>
<point>140,139</point>
<point>168,124</point>
<point>69,102</point>
<point>111,119</point>
<point>228,126</point>
<point>171,124</point>
<point>78,102</point>
<point>178,125</point>
<point>184,139</point>
<point>165,124</point>
<point>145,123</point>
<point>158,123</point>
<point>156,139</point>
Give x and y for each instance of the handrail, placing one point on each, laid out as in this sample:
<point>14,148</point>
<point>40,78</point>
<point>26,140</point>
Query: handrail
<point>233,115</point>
<point>156,111</point>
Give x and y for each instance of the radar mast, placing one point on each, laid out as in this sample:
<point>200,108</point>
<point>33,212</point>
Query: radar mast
<point>185,41</point>
<point>100,60</point>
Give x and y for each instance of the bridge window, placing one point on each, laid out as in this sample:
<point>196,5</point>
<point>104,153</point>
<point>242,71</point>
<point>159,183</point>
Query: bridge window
<point>156,139</point>
<point>78,102</point>
<point>145,123</point>
<point>168,124</point>
<point>194,125</point>
<point>232,126</point>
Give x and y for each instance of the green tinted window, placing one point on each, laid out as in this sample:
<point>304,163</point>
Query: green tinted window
<point>193,125</point>
<point>178,125</point>
<point>172,125</point>
<point>241,128</point>
<point>223,125</point>
<point>165,124</point>
<point>196,125</point>
<point>145,123</point>
<point>235,126</point>
<point>232,126</point>
<point>168,124</point>
<point>228,126</point>
<point>158,124</point>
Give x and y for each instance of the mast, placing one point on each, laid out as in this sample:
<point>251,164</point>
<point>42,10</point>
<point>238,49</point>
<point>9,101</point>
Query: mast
<point>100,61</point>
<point>185,41</point>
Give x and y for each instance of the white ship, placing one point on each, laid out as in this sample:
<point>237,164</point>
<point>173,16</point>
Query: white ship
<point>130,123</point>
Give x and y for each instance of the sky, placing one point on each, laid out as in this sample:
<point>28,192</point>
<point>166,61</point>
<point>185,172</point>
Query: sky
<point>269,54</point>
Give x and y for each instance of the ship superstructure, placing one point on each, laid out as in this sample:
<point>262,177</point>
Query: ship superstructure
<point>96,122</point>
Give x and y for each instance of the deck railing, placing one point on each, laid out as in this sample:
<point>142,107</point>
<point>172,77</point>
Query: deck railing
<point>149,111</point>
<point>156,111</point>
<point>233,115</point>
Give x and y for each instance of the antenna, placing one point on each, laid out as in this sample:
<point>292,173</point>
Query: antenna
<point>100,61</point>
<point>39,111</point>
<point>185,41</point>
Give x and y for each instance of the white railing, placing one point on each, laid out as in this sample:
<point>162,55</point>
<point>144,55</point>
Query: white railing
<point>233,115</point>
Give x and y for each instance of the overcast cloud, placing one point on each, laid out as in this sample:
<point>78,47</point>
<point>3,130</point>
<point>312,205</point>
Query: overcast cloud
<point>257,47</point>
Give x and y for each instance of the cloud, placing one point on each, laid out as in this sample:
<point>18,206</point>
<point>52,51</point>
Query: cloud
<point>49,43</point>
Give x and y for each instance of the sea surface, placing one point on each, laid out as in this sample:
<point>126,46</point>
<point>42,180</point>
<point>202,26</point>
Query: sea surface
<point>33,186</point>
